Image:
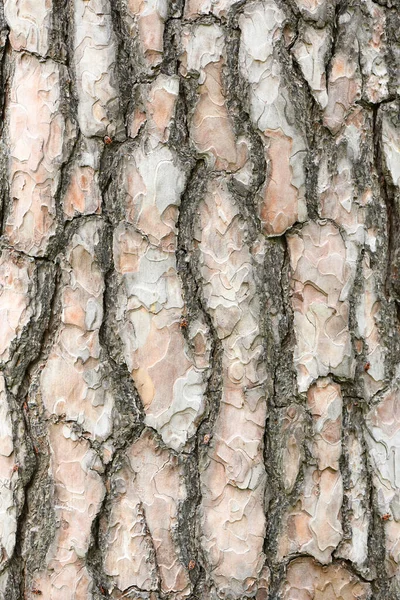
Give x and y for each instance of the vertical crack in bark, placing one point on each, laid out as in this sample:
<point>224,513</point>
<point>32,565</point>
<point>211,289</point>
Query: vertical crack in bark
<point>37,487</point>
<point>189,531</point>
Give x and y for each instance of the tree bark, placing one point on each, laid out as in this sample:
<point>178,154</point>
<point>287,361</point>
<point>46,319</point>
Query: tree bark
<point>199,300</point>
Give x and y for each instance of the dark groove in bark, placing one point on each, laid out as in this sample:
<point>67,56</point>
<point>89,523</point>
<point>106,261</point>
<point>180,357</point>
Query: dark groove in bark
<point>189,530</point>
<point>39,486</point>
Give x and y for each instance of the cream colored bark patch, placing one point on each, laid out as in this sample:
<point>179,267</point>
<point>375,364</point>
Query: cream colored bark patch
<point>141,550</point>
<point>17,274</point>
<point>233,481</point>
<point>321,282</point>
<point>355,547</point>
<point>310,51</point>
<point>281,201</point>
<point>314,10</point>
<point>83,196</point>
<point>391,143</point>
<point>383,441</point>
<point>95,47</point>
<point>170,378</point>
<point>9,500</point>
<point>305,579</point>
<point>146,20</point>
<point>292,435</point>
<point>78,494</point>
<point>344,88</point>
<point>211,128</point>
<point>313,526</point>
<point>30,24</point>
<point>219,8</point>
<point>373,52</point>
<point>38,143</point>
<point>74,380</point>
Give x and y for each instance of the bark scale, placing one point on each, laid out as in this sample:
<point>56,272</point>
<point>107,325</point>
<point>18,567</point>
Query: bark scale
<point>199,300</point>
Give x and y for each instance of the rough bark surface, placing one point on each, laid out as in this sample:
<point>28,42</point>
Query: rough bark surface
<point>200,300</point>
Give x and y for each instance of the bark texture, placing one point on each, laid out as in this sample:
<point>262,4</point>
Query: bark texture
<point>200,300</point>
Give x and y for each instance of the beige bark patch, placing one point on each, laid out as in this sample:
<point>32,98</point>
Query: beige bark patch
<point>306,580</point>
<point>9,500</point>
<point>211,125</point>
<point>282,200</point>
<point>78,493</point>
<point>83,196</point>
<point>233,481</point>
<point>313,525</point>
<point>38,139</point>
<point>310,51</point>
<point>140,532</point>
<point>30,24</point>
<point>74,379</point>
<point>17,274</point>
<point>95,47</point>
<point>150,298</point>
<point>383,441</point>
<point>146,20</point>
<point>344,88</point>
<point>321,280</point>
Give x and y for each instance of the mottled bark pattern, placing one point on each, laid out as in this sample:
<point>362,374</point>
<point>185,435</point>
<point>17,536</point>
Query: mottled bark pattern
<point>200,300</point>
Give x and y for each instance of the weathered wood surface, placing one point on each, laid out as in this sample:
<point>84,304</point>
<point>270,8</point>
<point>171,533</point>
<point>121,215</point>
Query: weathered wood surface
<point>199,300</point>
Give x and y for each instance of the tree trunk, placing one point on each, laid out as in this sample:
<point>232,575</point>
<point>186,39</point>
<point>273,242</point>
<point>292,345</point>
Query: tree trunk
<point>199,300</point>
